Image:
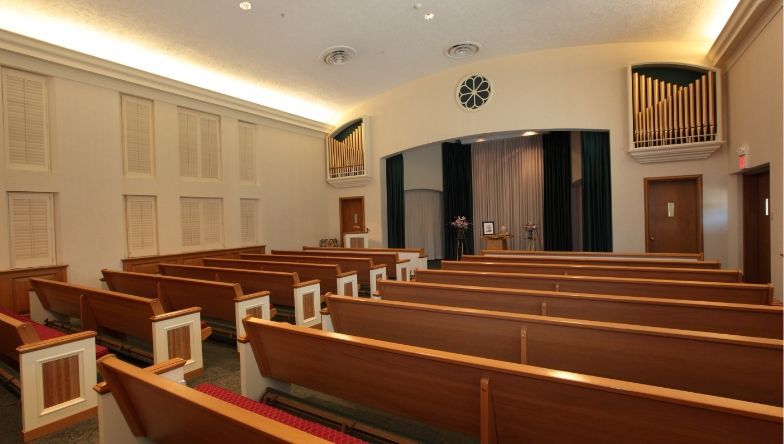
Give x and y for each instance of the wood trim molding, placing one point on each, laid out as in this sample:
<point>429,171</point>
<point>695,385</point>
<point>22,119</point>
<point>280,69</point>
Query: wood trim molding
<point>746,22</point>
<point>73,59</point>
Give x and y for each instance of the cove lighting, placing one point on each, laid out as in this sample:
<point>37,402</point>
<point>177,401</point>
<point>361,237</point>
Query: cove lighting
<point>135,54</point>
<point>721,12</point>
<point>530,133</point>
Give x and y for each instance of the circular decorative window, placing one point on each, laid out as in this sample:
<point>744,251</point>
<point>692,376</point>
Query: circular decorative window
<point>474,91</point>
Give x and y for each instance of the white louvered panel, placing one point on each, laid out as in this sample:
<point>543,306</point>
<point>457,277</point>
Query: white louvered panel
<point>188,128</point>
<point>32,234</point>
<point>191,222</point>
<point>26,119</point>
<point>247,153</point>
<point>210,152</point>
<point>138,135</point>
<point>248,217</point>
<point>211,221</point>
<point>142,239</point>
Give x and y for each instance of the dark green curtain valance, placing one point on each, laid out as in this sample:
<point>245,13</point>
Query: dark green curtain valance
<point>597,193</point>
<point>458,194</point>
<point>396,203</point>
<point>557,215</point>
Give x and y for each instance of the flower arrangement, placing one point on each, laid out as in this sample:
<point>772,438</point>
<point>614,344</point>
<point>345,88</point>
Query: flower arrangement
<point>460,222</point>
<point>530,230</point>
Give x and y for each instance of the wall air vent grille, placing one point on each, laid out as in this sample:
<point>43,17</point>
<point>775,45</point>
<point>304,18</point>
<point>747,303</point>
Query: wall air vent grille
<point>337,55</point>
<point>473,92</point>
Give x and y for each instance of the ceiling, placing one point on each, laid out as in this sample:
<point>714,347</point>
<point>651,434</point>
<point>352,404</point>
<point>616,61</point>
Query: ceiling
<point>269,54</point>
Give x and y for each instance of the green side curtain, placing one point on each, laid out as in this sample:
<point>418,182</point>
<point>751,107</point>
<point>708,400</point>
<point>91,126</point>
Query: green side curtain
<point>396,203</point>
<point>458,195</point>
<point>597,198</point>
<point>557,215</point>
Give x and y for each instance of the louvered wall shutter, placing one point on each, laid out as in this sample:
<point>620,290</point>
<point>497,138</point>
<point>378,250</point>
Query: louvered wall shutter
<point>248,220</point>
<point>210,151</point>
<point>247,153</point>
<point>32,229</point>
<point>141,225</point>
<point>212,219</point>
<point>189,163</point>
<point>137,135</point>
<point>191,222</point>
<point>26,119</point>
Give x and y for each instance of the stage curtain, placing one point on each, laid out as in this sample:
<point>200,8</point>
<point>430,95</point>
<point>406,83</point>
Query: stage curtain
<point>396,206</point>
<point>508,187</point>
<point>597,196</point>
<point>457,177</point>
<point>557,191</point>
<point>424,216</point>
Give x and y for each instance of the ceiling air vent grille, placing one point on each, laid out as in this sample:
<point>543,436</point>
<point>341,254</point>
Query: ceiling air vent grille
<point>337,55</point>
<point>462,50</point>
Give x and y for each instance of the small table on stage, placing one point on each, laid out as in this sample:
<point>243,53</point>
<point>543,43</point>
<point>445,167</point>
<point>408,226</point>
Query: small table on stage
<point>497,242</point>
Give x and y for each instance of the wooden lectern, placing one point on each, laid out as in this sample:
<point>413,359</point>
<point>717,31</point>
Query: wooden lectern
<point>497,242</point>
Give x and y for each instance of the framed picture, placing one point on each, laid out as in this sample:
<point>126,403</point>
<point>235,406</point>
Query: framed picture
<point>488,228</point>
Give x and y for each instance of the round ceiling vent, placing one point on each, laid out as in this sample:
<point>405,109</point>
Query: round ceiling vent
<point>462,50</point>
<point>337,55</point>
<point>474,91</point>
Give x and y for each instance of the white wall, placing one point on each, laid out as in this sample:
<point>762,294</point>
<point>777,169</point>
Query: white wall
<point>569,88</point>
<point>87,173</point>
<point>754,84</point>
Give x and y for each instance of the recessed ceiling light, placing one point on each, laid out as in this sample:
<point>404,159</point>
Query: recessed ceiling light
<point>429,16</point>
<point>245,6</point>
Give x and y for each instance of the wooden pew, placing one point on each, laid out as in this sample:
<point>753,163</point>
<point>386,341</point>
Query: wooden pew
<point>333,279</point>
<point>625,261</point>
<point>417,256</point>
<point>221,301</point>
<point>666,273</point>
<point>497,401</point>
<point>367,272</point>
<point>738,367</point>
<point>170,334</point>
<point>285,289</point>
<point>595,254</point>
<point>54,375</point>
<point>397,268</point>
<point>687,290</point>
<point>131,402</point>
<point>149,264</point>
<point>762,321</point>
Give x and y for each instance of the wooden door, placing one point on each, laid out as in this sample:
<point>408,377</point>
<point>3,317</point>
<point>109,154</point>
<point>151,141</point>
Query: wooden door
<point>756,226</point>
<point>352,215</point>
<point>673,214</point>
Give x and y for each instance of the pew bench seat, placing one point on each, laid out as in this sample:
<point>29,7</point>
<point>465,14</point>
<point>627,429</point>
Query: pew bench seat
<point>54,371</point>
<point>277,414</point>
<point>45,332</point>
<point>131,399</point>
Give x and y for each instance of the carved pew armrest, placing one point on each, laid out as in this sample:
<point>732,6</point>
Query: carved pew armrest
<point>403,269</point>
<point>307,303</point>
<point>177,334</point>
<point>56,375</point>
<point>376,273</point>
<point>348,284</point>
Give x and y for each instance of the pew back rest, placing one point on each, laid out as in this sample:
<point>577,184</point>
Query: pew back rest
<point>192,416</point>
<point>633,262</point>
<point>128,314</point>
<point>280,285</point>
<point>14,333</point>
<point>326,273</point>
<point>59,297</point>
<point>529,404</point>
<point>388,259</point>
<point>668,273</point>
<point>739,319</point>
<point>358,264</point>
<point>610,254</point>
<point>176,293</point>
<point>693,290</point>
<point>730,366</point>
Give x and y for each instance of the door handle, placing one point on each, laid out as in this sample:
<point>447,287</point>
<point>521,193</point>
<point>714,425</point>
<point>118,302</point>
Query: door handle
<point>652,238</point>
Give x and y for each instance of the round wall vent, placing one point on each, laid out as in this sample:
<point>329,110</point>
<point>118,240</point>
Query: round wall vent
<point>337,55</point>
<point>462,50</point>
<point>474,91</point>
